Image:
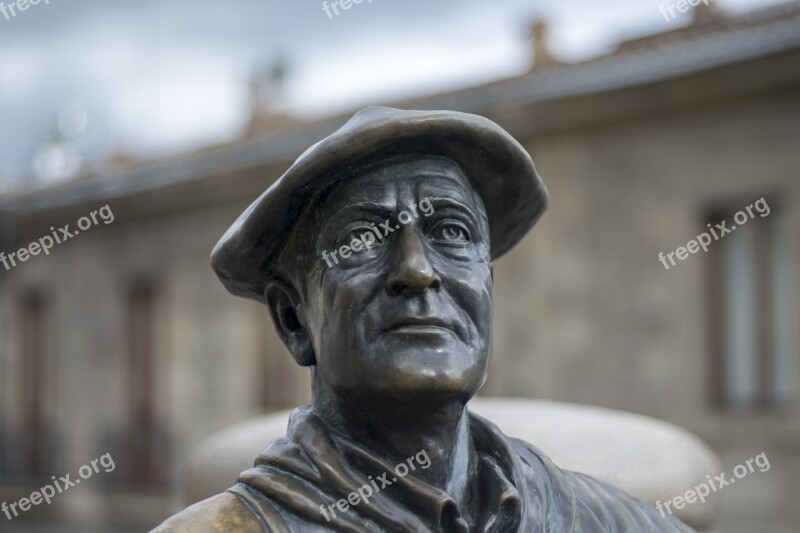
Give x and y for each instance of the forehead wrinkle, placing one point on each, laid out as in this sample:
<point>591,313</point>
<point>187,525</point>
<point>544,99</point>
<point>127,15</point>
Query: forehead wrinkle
<point>440,174</point>
<point>353,192</point>
<point>375,207</point>
<point>463,186</point>
<point>409,167</point>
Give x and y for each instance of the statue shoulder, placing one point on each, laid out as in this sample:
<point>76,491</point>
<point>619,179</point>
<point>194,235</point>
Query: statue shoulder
<point>597,505</point>
<point>224,512</point>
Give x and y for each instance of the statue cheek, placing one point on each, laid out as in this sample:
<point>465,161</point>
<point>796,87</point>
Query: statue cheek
<point>474,292</point>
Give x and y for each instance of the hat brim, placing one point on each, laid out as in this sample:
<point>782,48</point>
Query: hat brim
<point>499,168</point>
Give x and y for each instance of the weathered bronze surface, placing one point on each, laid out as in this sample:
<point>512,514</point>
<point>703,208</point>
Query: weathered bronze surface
<point>374,256</point>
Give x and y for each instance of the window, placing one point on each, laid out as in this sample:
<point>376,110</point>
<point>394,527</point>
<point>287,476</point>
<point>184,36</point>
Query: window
<point>142,435</point>
<point>750,315</point>
<point>32,444</point>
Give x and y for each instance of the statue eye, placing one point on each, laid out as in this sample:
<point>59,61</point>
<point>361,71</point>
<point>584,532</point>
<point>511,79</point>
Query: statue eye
<point>363,233</point>
<point>450,233</point>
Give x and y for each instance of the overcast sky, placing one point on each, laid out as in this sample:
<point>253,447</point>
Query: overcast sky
<point>161,76</point>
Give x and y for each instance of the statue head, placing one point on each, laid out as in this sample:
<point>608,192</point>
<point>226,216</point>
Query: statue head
<point>374,252</point>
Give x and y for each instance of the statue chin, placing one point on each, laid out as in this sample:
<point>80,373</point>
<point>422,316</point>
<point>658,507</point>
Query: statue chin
<point>406,369</point>
<point>420,383</point>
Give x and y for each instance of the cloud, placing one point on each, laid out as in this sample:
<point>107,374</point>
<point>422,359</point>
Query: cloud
<point>162,75</point>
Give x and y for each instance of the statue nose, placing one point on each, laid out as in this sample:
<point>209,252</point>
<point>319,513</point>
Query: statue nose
<point>410,270</point>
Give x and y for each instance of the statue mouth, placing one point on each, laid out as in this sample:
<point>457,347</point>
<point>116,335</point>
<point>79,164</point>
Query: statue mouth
<point>422,326</point>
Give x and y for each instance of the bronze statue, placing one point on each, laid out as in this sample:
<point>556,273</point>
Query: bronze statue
<point>374,256</point>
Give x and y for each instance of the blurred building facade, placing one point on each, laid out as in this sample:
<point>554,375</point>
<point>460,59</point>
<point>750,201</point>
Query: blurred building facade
<point>122,340</point>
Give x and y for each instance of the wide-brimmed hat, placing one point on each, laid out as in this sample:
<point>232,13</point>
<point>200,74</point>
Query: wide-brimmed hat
<point>497,166</point>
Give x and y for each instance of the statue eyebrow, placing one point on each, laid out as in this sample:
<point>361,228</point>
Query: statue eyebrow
<point>370,207</point>
<point>387,211</point>
<point>444,201</point>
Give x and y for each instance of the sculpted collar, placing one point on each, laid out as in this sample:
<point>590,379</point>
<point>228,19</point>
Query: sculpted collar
<point>312,467</point>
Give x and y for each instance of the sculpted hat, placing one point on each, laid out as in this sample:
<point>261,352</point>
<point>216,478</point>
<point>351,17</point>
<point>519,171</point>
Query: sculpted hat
<point>497,166</point>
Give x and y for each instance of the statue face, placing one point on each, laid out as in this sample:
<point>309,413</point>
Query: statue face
<point>410,317</point>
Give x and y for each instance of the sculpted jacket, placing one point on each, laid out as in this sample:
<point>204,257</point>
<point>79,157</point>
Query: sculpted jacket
<point>517,488</point>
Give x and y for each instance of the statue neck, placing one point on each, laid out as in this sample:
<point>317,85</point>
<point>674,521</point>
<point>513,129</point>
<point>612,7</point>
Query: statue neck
<point>400,430</point>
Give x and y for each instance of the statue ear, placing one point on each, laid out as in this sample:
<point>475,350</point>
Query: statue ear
<point>285,308</point>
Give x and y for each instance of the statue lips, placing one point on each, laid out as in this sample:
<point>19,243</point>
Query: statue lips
<point>424,326</point>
